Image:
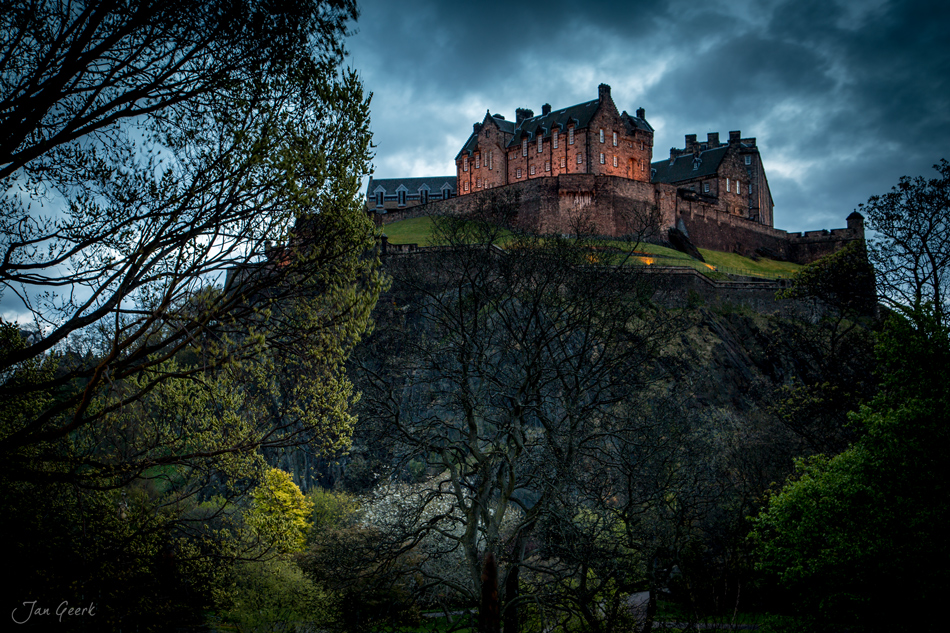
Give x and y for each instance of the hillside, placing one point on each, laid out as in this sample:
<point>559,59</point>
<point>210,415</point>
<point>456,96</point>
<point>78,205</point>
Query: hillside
<point>718,264</point>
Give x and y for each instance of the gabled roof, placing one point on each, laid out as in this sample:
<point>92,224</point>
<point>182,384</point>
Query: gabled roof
<point>508,127</point>
<point>635,123</point>
<point>682,167</point>
<point>390,185</point>
<point>580,115</point>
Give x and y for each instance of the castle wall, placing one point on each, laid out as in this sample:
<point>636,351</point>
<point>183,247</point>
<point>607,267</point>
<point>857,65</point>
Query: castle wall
<point>616,206</point>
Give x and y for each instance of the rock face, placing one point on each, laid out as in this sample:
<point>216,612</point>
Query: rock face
<point>681,242</point>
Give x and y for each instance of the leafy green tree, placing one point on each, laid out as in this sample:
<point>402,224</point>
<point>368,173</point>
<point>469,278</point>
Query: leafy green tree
<point>858,538</point>
<point>153,154</point>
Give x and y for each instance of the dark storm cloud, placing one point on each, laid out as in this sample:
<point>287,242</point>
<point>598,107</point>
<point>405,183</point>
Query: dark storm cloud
<point>843,97</point>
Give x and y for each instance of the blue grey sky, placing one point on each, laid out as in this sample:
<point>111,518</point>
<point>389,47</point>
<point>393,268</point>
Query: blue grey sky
<point>844,96</point>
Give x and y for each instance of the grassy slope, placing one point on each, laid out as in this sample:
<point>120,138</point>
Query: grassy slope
<point>418,231</point>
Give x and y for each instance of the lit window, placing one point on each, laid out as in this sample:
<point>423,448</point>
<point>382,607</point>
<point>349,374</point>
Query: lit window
<point>748,160</point>
<point>554,139</point>
<point>641,167</point>
<point>547,165</point>
<point>705,187</point>
<point>580,159</point>
<point>524,147</point>
<point>532,170</point>
<point>615,139</point>
<point>518,173</point>
<point>478,161</point>
<point>603,159</point>
<point>601,136</point>
<point>570,135</point>
<point>465,163</point>
<point>737,187</point>
<point>727,185</point>
<point>615,161</point>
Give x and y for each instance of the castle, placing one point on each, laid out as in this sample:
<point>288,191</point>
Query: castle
<point>594,163</point>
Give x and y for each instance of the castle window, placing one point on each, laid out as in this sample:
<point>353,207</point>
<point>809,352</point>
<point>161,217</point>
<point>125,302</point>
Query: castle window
<point>641,167</point>
<point>547,165</point>
<point>750,189</point>
<point>603,159</point>
<point>580,159</point>
<point>727,186</point>
<point>554,139</point>
<point>563,162</point>
<point>402,198</point>
<point>532,170</point>
<point>615,139</point>
<point>615,161</point>
<point>478,161</point>
<point>601,135</point>
<point>478,183</point>
<point>518,173</point>
<point>540,141</point>
<point>491,155</point>
<point>748,160</point>
<point>465,163</point>
<point>524,147</point>
<point>570,135</point>
<point>705,187</point>
<point>466,185</point>
<point>737,187</point>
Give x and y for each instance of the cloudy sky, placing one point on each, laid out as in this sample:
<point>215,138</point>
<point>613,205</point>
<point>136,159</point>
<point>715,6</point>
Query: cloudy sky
<point>843,96</point>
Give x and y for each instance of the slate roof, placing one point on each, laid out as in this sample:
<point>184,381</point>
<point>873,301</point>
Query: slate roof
<point>412,184</point>
<point>580,114</point>
<point>682,167</point>
<point>635,123</point>
<point>471,144</point>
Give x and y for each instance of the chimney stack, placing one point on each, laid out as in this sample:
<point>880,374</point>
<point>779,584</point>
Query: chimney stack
<point>603,92</point>
<point>641,114</point>
<point>712,139</point>
<point>734,137</point>
<point>692,147</point>
<point>546,109</point>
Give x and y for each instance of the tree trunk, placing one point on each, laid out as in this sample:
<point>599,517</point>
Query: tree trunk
<point>489,615</point>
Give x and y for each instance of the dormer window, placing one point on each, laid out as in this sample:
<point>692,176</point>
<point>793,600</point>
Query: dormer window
<point>401,195</point>
<point>379,198</point>
<point>524,147</point>
<point>554,138</point>
<point>705,187</point>
<point>446,193</point>
<point>570,135</point>
<point>424,196</point>
<point>540,141</point>
<point>615,139</point>
<point>748,159</point>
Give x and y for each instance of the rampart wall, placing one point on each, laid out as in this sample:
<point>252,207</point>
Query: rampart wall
<point>615,206</point>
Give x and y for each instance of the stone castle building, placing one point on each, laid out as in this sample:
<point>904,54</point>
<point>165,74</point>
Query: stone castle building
<point>594,163</point>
